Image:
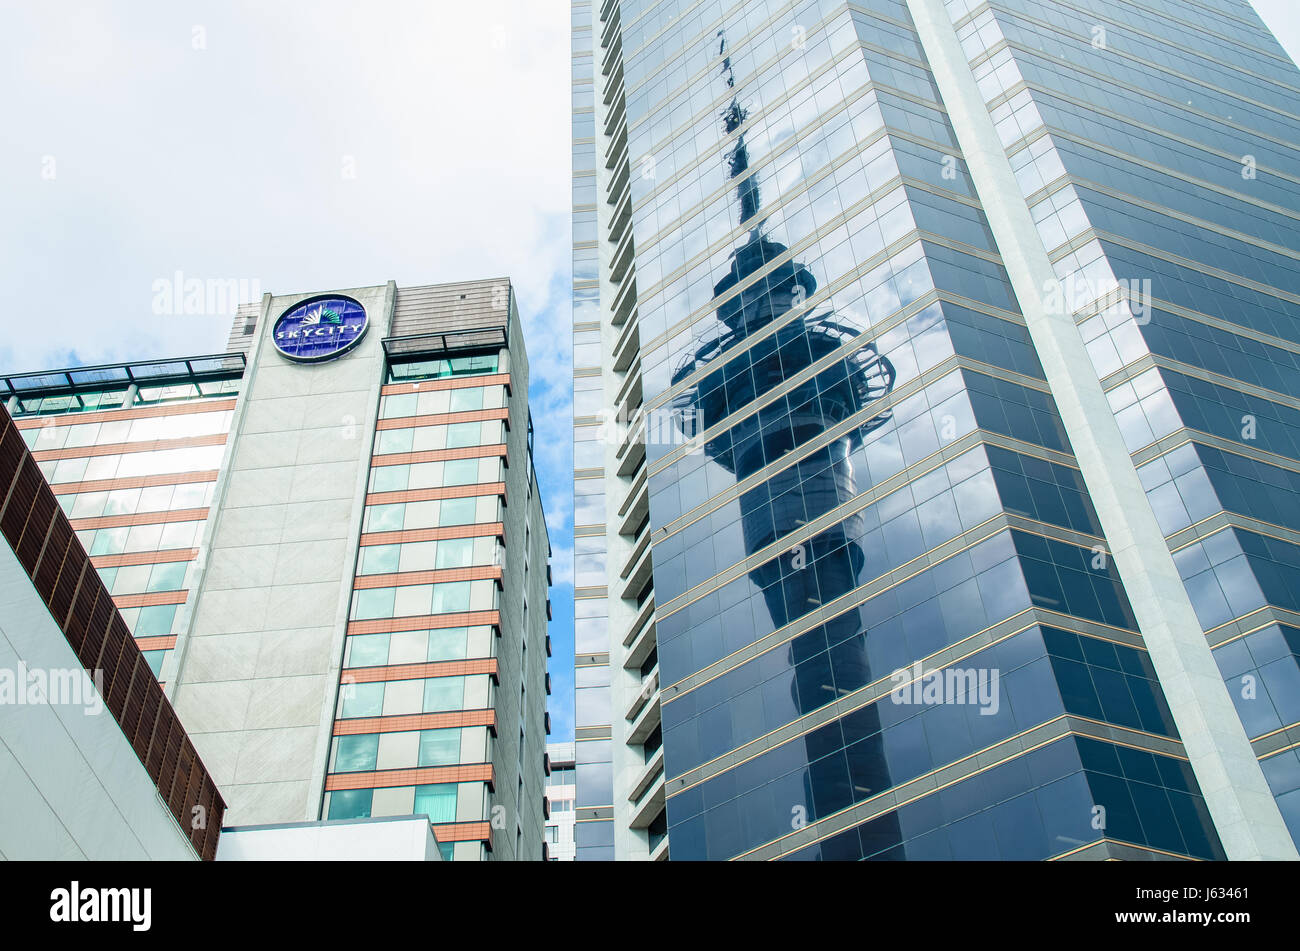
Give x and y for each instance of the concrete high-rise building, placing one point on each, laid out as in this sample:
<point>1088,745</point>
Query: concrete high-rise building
<point>329,545</point>
<point>937,430</point>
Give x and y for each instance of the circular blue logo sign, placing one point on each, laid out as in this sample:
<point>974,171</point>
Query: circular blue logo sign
<point>320,329</point>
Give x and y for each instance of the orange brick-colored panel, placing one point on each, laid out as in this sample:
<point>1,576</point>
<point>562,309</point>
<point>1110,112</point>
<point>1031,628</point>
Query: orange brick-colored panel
<point>149,599</point>
<point>438,455</point>
<point>165,642</point>
<point>443,419</point>
<point>135,482</point>
<point>419,776</point>
<point>415,721</point>
<point>477,530</point>
<point>436,576</point>
<point>140,518</point>
<point>144,558</point>
<point>439,668</point>
<point>121,448</point>
<point>424,622</point>
<point>436,492</point>
<point>463,832</point>
<point>446,383</point>
<point>136,412</point>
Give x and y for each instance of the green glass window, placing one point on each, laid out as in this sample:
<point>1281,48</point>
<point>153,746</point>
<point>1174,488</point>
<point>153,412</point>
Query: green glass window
<point>438,802</point>
<point>467,399</point>
<point>394,440</point>
<point>385,518</point>
<point>380,559</point>
<point>390,478</point>
<point>443,693</point>
<point>457,511</point>
<point>156,620</point>
<point>461,435</point>
<point>363,700</point>
<point>356,753</point>
<point>155,661</point>
<point>455,553</point>
<point>373,603</point>
<point>460,471</point>
<point>449,643</point>
<point>351,803</point>
<point>451,597</point>
<point>368,650</point>
<point>439,747</point>
<point>169,576</point>
<point>399,405</point>
<point>110,541</point>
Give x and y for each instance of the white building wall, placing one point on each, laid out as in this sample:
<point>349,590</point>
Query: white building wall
<point>404,839</point>
<point>259,664</point>
<point>71,786</point>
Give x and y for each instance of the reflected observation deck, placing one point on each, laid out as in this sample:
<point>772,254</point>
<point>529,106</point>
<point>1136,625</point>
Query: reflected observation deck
<point>745,360</point>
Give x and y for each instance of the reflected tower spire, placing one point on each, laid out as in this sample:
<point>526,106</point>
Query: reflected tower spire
<point>744,360</point>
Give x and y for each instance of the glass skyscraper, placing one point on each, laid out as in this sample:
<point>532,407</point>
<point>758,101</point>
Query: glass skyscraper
<point>937,430</point>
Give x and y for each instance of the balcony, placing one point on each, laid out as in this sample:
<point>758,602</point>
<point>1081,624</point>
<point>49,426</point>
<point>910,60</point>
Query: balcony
<point>624,303</point>
<point>622,259</point>
<point>640,639</point>
<point>627,347</point>
<point>611,31</point>
<point>631,451</point>
<point>647,796</point>
<point>649,689</point>
<point>636,506</point>
<point>636,570</point>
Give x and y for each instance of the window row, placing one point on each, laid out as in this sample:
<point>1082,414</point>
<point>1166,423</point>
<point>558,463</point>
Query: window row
<point>406,516</point>
<point>408,697</point>
<point>482,470</point>
<point>418,600</point>
<point>139,579</point>
<point>418,647</point>
<point>437,801</point>
<point>165,536</point>
<point>487,432</point>
<point>467,365</point>
<point>144,429</point>
<point>430,556</point>
<point>434,402</point>
<point>367,752</point>
<point>158,498</point>
<point>131,464</point>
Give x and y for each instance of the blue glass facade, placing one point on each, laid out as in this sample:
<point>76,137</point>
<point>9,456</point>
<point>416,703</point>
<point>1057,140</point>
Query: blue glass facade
<point>866,469</point>
<point>1163,135</point>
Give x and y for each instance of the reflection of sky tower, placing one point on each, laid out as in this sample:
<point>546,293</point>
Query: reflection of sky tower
<point>825,566</point>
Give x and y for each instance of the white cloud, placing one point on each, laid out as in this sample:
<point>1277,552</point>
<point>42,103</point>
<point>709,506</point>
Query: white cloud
<point>227,161</point>
<point>214,138</point>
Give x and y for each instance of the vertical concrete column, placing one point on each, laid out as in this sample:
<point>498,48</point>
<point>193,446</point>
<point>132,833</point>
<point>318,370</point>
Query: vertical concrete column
<point>258,680</point>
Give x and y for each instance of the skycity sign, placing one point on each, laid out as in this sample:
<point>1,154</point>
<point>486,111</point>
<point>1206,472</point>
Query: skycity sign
<point>320,329</point>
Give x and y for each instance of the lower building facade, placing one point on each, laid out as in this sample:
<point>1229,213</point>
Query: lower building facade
<point>94,762</point>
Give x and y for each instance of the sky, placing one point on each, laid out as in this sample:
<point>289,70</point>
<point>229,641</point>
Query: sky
<point>297,146</point>
<point>290,146</point>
